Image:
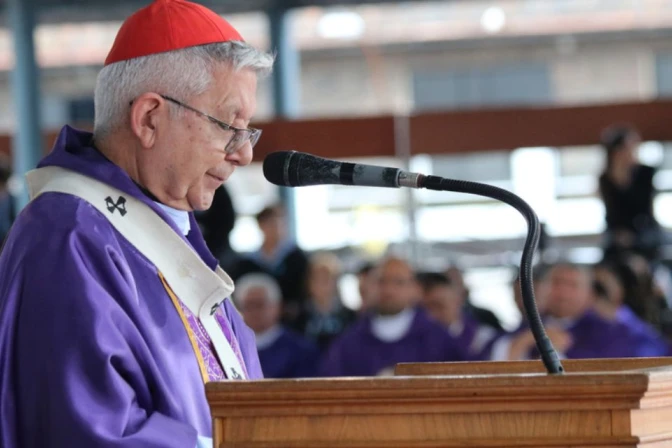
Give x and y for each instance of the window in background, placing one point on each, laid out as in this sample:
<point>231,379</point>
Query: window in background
<point>576,194</point>
<point>491,288</point>
<point>250,193</point>
<point>664,74</point>
<point>53,111</point>
<point>491,167</point>
<point>578,171</point>
<point>81,110</point>
<point>495,85</point>
<point>338,216</point>
<point>660,155</point>
<point>443,216</point>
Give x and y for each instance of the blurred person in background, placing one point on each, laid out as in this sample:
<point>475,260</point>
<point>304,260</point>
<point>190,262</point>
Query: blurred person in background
<point>611,287</point>
<point>540,291</point>
<point>572,324</point>
<point>445,303</point>
<point>499,350</point>
<point>627,191</point>
<point>647,300</point>
<point>367,281</point>
<point>279,257</point>
<point>282,352</point>
<point>7,202</point>
<point>323,316</point>
<point>217,223</point>
<point>399,331</point>
<point>484,316</point>
<point>115,351</point>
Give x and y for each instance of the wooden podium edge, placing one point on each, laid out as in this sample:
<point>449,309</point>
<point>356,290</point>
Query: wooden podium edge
<point>525,367</point>
<point>628,406</point>
<point>435,394</point>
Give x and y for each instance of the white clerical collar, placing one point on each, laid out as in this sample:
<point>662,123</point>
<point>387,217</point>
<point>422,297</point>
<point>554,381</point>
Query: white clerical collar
<point>179,217</point>
<point>267,338</point>
<point>562,322</point>
<point>392,328</point>
<point>456,328</point>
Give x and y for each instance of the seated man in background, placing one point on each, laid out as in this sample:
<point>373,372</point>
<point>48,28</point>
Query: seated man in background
<point>573,326</point>
<point>445,304</point>
<point>540,292</point>
<point>282,353</point>
<point>323,317</point>
<point>397,332</point>
<point>217,223</point>
<point>279,257</point>
<point>610,297</point>
<point>500,349</point>
<point>482,315</point>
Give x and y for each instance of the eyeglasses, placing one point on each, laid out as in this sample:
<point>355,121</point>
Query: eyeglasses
<point>240,136</point>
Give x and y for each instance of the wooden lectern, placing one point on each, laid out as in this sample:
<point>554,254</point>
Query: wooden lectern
<point>597,403</point>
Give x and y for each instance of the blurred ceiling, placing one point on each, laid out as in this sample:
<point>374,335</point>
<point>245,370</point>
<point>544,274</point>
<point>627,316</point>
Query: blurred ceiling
<point>59,11</point>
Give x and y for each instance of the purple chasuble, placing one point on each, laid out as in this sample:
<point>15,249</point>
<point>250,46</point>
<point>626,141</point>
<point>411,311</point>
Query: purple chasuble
<point>644,340</point>
<point>92,349</point>
<point>289,356</point>
<point>358,352</point>
<point>593,337</point>
<point>474,338</point>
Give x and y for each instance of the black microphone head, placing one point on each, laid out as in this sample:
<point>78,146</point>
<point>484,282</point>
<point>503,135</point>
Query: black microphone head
<point>275,167</point>
<point>300,169</point>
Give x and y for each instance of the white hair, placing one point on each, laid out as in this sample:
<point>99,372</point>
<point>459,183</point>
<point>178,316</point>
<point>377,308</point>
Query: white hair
<point>183,74</point>
<point>257,280</point>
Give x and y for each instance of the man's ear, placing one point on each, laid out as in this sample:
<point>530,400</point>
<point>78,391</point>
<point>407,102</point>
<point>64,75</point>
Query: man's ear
<point>147,111</point>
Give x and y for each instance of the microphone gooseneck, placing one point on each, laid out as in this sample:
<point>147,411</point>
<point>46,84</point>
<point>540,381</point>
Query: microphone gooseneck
<point>548,354</point>
<point>294,169</point>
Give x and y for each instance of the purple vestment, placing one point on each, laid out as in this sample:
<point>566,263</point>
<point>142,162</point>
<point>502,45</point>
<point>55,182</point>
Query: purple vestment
<point>289,356</point>
<point>476,339</point>
<point>93,352</point>
<point>358,352</point>
<point>593,337</point>
<point>641,337</point>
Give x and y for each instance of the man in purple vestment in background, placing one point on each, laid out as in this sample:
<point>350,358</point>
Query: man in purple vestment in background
<point>283,353</point>
<point>571,322</point>
<point>445,303</point>
<point>395,331</point>
<point>96,349</point>
<point>609,299</point>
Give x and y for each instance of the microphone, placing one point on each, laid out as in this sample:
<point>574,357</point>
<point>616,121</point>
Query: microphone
<point>296,169</point>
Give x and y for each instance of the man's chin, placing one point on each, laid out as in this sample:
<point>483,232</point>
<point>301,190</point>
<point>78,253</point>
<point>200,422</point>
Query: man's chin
<point>203,203</point>
<point>202,207</point>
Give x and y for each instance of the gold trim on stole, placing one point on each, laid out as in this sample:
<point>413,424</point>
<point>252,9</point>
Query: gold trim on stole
<point>190,333</point>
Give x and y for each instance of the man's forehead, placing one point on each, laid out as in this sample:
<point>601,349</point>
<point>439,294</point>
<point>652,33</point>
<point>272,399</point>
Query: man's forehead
<point>444,290</point>
<point>397,268</point>
<point>235,91</point>
<point>256,293</point>
<point>569,273</point>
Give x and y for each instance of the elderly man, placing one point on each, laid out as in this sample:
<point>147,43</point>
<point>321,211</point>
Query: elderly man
<point>113,314</point>
<point>282,352</point>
